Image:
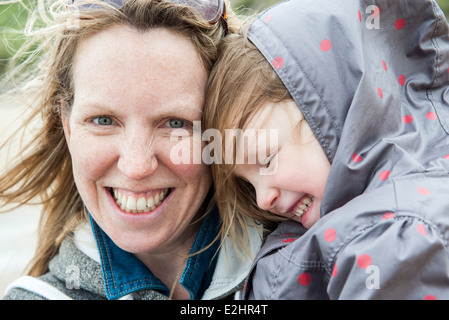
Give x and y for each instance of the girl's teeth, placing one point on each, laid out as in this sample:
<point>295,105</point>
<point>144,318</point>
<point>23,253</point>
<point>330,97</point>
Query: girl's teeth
<point>304,206</point>
<point>131,204</point>
<point>307,200</point>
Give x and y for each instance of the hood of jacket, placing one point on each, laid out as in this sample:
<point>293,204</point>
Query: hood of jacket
<point>371,79</point>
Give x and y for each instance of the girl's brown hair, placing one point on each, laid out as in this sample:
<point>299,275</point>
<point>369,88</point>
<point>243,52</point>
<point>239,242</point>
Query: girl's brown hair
<point>44,171</point>
<point>241,82</point>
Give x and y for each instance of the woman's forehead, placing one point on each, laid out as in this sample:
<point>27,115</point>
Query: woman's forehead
<point>127,49</point>
<point>122,66</point>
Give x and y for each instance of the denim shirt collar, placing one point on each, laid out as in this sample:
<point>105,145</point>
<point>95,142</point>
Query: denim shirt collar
<point>124,273</point>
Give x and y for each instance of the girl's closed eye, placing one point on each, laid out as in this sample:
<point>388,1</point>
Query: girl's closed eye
<point>268,161</point>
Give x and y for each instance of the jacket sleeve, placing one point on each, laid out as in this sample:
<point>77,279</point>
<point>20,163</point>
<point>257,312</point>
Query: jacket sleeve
<point>404,259</point>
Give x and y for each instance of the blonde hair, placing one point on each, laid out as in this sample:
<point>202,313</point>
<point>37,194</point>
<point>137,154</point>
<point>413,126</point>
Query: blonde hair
<point>240,83</point>
<point>45,169</point>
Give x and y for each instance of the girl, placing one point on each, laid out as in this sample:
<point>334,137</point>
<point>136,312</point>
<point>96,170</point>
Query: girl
<point>358,94</point>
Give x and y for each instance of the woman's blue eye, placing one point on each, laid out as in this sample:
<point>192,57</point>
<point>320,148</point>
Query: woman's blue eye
<point>175,123</point>
<point>103,121</point>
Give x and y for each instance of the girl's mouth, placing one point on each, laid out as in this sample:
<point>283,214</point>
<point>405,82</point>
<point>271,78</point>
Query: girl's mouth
<point>303,206</point>
<point>139,202</point>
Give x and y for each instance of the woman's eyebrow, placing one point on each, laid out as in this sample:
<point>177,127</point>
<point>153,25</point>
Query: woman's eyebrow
<point>183,111</point>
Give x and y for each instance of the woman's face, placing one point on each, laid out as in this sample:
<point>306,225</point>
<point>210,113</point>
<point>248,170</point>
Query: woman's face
<point>132,91</point>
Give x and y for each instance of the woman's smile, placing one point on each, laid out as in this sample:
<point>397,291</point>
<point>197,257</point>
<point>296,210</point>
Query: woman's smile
<point>132,202</point>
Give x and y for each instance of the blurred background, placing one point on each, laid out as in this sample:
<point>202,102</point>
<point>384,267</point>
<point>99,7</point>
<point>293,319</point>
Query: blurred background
<point>13,17</point>
<point>18,227</point>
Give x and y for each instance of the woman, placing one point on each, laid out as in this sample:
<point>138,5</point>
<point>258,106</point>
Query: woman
<point>122,78</point>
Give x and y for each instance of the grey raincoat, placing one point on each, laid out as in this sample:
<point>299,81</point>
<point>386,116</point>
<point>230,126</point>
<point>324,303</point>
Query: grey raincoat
<point>371,78</point>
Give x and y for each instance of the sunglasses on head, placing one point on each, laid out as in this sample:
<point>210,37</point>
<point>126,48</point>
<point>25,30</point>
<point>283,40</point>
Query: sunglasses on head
<point>211,10</point>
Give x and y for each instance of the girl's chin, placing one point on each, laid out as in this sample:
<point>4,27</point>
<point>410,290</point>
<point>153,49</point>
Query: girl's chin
<point>309,219</point>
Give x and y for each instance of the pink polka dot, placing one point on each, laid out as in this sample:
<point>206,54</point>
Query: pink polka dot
<point>288,240</point>
<point>304,279</point>
<point>401,79</point>
<point>325,45</point>
<point>359,14</point>
<point>430,297</point>
<point>356,157</point>
<point>431,115</point>
<point>384,175</point>
<point>388,215</point>
<point>384,64</point>
<point>407,119</point>
<point>423,191</point>
<point>278,62</point>
<point>334,271</point>
<point>330,235</point>
<point>380,93</point>
<point>399,24</point>
<point>364,261</point>
<point>268,18</point>
<point>422,229</point>
<point>376,12</point>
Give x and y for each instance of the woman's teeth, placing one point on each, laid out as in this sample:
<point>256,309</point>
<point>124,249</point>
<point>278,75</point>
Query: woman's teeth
<point>140,204</point>
<point>302,208</point>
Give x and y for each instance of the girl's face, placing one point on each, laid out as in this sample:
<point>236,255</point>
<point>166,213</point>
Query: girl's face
<point>132,90</point>
<point>290,172</point>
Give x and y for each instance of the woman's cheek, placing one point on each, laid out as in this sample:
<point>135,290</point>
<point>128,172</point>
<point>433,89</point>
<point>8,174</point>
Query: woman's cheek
<point>92,157</point>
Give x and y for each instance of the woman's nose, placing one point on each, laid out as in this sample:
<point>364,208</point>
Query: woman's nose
<point>137,159</point>
<point>267,197</point>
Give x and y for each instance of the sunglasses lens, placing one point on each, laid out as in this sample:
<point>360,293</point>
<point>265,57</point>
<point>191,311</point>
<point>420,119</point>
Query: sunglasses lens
<point>114,3</point>
<point>211,10</point>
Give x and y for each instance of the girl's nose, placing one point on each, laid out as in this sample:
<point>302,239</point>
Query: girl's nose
<point>137,159</point>
<point>267,198</point>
